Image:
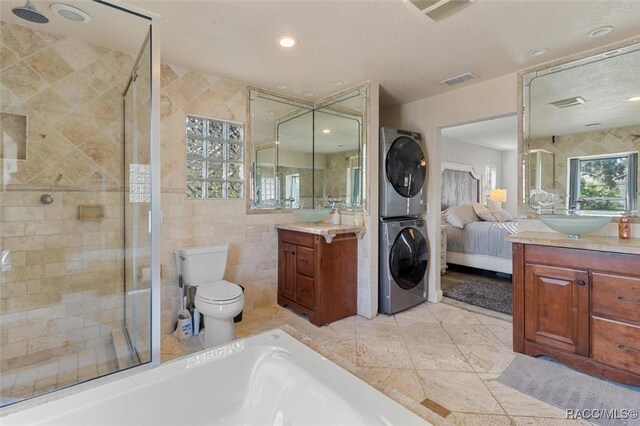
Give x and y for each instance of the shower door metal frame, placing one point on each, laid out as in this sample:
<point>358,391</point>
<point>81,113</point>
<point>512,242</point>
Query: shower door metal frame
<point>156,212</point>
<point>155,224</point>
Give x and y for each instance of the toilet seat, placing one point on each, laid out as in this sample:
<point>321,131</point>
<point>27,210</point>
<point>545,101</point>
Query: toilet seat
<point>219,293</point>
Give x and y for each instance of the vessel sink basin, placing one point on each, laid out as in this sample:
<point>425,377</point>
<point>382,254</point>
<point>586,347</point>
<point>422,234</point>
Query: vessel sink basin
<point>311,215</point>
<point>573,226</point>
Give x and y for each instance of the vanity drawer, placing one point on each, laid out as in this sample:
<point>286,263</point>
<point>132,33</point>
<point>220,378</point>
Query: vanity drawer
<point>304,261</point>
<point>305,291</point>
<point>297,238</point>
<point>616,344</point>
<point>615,296</point>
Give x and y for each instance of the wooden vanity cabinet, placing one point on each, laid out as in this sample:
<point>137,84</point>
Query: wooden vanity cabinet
<point>558,315</point>
<point>317,278</point>
<point>581,307</point>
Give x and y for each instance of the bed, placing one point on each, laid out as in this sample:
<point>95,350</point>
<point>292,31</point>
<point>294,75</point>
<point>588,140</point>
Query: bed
<point>479,244</point>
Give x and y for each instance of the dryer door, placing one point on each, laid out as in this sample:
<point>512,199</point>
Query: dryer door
<point>406,167</point>
<point>408,258</point>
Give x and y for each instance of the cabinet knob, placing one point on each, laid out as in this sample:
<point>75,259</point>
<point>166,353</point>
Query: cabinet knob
<point>581,283</point>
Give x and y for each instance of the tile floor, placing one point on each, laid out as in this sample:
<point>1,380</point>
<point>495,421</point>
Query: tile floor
<point>439,352</point>
<point>56,373</point>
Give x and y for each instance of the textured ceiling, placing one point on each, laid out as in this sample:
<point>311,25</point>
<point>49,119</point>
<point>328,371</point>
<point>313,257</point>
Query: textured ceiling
<point>353,40</point>
<point>605,85</point>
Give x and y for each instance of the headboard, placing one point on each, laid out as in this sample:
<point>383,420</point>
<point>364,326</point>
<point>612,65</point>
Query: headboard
<point>460,185</point>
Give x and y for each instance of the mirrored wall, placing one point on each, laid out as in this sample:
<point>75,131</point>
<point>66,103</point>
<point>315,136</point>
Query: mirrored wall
<point>307,155</point>
<point>581,126</point>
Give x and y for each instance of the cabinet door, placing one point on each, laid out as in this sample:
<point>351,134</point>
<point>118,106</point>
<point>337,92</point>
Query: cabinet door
<point>557,308</point>
<point>287,270</point>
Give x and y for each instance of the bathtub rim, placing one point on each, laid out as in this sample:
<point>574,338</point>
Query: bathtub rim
<point>287,331</point>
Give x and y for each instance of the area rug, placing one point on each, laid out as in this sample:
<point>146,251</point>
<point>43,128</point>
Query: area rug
<point>568,389</point>
<point>491,294</point>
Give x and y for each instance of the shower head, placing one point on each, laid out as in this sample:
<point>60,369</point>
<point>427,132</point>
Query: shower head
<point>28,12</point>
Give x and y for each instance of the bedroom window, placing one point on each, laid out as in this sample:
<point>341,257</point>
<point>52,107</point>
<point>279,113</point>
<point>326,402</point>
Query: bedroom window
<point>490,179</point>
<point>603,182</point>
<point>215,158</point>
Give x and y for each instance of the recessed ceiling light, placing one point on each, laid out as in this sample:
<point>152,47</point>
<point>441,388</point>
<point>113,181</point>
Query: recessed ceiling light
<point>599,32</point>
<point>309,93</point>
<point>282,86</point>
<point>634,99</point>
<point>70,13</point>
<point>593,125</point>
<point>336,82</point>
<point>326,131</point>
<point>538,52</point>
<point>287,41</point>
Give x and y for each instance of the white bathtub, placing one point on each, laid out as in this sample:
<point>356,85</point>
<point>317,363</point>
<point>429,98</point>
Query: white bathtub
<point>269,379</point>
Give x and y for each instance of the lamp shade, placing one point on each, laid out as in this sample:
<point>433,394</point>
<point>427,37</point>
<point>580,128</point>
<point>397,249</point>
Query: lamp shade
<point>499,195</point>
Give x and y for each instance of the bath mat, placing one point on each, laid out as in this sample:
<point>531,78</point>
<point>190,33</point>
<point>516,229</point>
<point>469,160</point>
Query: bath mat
<point>568,389</point>
<point>491,294</point>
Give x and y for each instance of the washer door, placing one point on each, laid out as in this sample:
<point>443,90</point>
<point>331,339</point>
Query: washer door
<point>408,258</point>
<point>406,167</point>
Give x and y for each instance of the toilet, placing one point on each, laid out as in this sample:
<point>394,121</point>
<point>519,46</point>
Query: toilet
<point>217,300</point>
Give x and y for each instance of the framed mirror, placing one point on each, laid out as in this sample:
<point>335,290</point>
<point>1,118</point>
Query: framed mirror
<point>581,134</point>
<point>306,155</point>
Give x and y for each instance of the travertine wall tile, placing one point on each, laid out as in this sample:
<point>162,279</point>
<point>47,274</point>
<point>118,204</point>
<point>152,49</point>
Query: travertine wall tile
<point>587,143</point>
<point>49,64</point>
<point>61,269</point>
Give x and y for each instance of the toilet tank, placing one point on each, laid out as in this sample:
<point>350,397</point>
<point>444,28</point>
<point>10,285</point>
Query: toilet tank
<point>202,264</point>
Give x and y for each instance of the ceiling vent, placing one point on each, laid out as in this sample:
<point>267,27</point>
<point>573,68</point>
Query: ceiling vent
<point>437,9</point>
<point>458,79</point>
<point>569,102</point>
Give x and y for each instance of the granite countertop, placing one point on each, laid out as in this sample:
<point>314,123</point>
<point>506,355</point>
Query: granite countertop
<point>327,230</point>
<point>587,242</point>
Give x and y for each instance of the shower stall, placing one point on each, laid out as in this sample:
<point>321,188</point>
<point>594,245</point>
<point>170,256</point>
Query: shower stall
<point>80,198</point>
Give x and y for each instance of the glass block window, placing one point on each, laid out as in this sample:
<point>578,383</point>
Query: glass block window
<point>139,183</point>
<point>215,158</point>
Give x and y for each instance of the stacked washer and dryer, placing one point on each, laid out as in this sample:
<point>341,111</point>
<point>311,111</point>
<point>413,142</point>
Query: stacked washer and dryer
<point>404,250</point>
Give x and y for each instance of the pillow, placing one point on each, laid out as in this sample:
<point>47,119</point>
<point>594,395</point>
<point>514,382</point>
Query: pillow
<point>502,215</point>
<point>459,216</point>
<point>484,213</point>
<point>493,205</point>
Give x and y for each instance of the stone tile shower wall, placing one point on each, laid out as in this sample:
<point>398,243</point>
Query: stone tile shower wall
<point>61,285</point>
<point>337,166</point>
<point>252,260</point>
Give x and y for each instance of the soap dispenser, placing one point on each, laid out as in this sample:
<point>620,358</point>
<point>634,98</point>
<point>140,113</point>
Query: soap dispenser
<point>624,227</point>
<point>335,216</point>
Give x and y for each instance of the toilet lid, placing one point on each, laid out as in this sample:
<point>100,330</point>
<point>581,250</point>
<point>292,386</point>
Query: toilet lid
<point>219,291</point>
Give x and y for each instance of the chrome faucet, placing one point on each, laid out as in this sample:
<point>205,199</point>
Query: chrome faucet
<point>577,205</point>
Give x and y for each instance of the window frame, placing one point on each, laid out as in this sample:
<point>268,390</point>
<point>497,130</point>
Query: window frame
<point>628,197</point>
<point>489,184</point>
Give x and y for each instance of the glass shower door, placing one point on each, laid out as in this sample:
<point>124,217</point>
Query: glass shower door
<point>137,208</point>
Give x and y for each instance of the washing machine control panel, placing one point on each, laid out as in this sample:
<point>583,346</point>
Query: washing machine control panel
<point>413,223</point>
